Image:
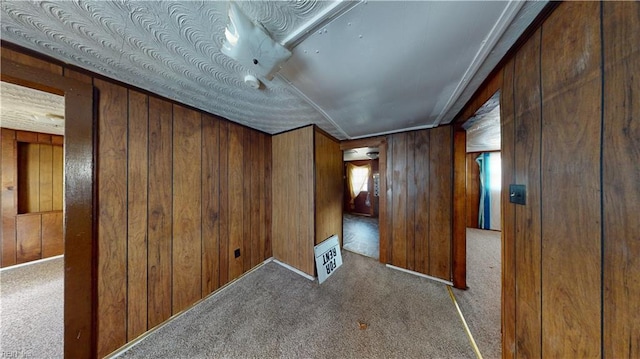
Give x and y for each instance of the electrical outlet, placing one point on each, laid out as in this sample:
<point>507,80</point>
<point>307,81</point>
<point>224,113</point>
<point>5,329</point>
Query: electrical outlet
<point>518,194</point>
<point>236,253</point>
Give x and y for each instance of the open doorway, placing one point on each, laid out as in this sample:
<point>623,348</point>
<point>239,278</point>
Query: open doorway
<point>361,207</point>
<point>32,280</point>
<point>481,302</point>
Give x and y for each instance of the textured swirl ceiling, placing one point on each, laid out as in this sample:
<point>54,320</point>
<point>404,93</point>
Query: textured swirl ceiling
<point>169,48</point>
<point>358,68</point>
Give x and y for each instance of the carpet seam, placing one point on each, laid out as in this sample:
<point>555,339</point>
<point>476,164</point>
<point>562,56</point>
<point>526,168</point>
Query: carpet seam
<point>464,323</point>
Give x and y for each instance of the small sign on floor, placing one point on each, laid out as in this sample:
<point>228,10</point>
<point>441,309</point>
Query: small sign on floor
<point>328,257</point>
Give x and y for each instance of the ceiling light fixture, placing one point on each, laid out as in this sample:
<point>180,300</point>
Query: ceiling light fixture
<point>250,45</point>
<point>373,155</point>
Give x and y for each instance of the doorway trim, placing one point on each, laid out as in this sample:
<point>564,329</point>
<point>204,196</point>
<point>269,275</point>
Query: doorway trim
<point>80,202</point>
<point>381,143</point>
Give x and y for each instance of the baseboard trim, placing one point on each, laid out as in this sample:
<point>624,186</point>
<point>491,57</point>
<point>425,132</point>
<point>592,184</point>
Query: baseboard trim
<point>421,275</point>
<point>146,334</point>
<point>31,262</point>
<point>295,270</point>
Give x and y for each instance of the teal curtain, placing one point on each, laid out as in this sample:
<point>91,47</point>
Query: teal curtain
<point>484,213</point>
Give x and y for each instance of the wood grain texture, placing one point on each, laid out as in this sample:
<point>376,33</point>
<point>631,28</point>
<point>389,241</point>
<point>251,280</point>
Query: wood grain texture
<point>9,196</point>
<point>459,211</point>
<point>57,140</point>
<point>526,169</point>
<point>440,204</point>
<point>235,199</point>
<point>328,187</point>
<point>29,237</point>
<point>210,204</point>
<point>57,177</point>
<point>224,203</point>
<point>31,61</point>
<point>411,192</point>
<point>52,234</point>
<point>256,199</point>
<point>292,191</point>
<point>137,211</point>
<point>472,190</point>
<point>268,196</point>
<point>28,177</point>
<point>187,210</point>
<point>507,145</point>
<point>247,195</point>
<point>621,179</point>
<point>112,217</point>
<point>571,241</point>
<point>421,179</point>
<point>160,212</point>
<point>399,201</point>
<point>46,178</point>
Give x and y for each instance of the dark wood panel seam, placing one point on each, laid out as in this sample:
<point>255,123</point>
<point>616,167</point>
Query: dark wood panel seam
<point>602,199</point>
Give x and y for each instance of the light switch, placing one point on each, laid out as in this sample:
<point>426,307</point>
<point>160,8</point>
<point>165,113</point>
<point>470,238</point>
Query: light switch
<point>518,194</point>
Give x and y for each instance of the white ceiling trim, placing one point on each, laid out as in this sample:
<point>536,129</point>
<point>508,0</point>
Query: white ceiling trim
<point>489,43</point>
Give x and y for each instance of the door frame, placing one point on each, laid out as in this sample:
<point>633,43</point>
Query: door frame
<point>80,202</point>
<point>381,143</point>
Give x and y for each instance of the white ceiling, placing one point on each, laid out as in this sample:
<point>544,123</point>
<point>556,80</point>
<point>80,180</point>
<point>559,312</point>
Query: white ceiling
<point>23,108</point>
<point>357,154</point>
<point>358,68</point>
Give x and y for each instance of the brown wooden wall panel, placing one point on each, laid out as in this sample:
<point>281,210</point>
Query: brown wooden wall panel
<point>398,205</point>
<point>256,187</point>
<point>527,123</point>
<point>187,211</point>
<point>28,177</point>
<point>9,197</point>
<point>137,185</point>
<point>52,234</point>
<point>210,204</point>
<point>58,177</point>
<point>621,180</point>
<point>571,241</point>
<point>420,166</point>
<point>112,217</point>
<point>46,178</point>
<point>507,145</point>
<point>247,213</point>
<point>459,210</point>
<point>224,204</point>
<point>31,61</point>
<point>29,237</point>
<point>440,203</point>
<point>268,197</point>
<point>160,212</point>
<point>328,191</point>
<point>292,192</point>
<point>235,199</point>
<point>472,190</point>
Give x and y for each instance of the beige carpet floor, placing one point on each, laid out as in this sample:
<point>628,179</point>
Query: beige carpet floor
<point>365,310</point>
<point>31,310</point>
<point>480,303</point>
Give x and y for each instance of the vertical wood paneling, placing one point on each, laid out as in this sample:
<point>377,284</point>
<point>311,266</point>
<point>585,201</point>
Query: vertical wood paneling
<point>112,217</point>
<point>421,180</point>
<point>621,180</point>
<point>440,204</point>
<point>386,202</point>
<point>459,228</point>
<point>257,188</point>
<point>292,178</point>
<point>235,199</point>
<point>46,178</point>
<point>29,200</point>
<point>472,190</point>
<point>224,203</point>
<point>52,237</point>
<point>507,124</point>
<point>31,61</point>
<point>268,196</point>
<point>9,196</point>
<point>411,193</point>
<point>328,191</point>
<point>210,204</point>
<point>247,195</point>
<point>29,237</point>
<point>160,212</point>
<point>571,120</point>
<point>137,267</point>
<point>57,177</point>
<point>527,218</point>
<point>187,211</point>
<point>399,201</point>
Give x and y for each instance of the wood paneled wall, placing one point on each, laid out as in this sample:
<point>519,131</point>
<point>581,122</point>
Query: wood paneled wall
<point>328,188</point>
<point>419,207</point>
<point>32,172</point>
<point>307,194</point>
<point>180,192</point>
<point>473,190</point>
<point>293,198</point>
<point>571,134</point>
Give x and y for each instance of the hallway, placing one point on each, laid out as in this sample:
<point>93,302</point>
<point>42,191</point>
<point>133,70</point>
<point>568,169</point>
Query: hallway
<point>361,235</point>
